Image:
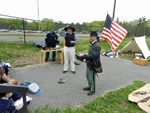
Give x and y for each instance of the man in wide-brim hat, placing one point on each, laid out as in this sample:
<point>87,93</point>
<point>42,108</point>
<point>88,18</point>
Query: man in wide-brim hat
<point>69,49</point>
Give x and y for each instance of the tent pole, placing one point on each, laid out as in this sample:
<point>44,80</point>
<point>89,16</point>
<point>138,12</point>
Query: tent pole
<point>132,51</point>
<point>132,46</point>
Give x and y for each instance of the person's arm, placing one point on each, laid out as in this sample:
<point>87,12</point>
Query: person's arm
<point>96,54</point>
<point>5,78</point>
<point>16,96</point>
<point>57,40</point>
<point>46,39</point>
<point>76,40</point>
<point>61,32</point>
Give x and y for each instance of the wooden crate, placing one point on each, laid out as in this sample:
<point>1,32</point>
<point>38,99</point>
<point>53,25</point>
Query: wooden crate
<point>142,62</point>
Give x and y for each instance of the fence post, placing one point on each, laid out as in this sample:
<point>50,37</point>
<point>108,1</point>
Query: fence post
<point>24,31</point>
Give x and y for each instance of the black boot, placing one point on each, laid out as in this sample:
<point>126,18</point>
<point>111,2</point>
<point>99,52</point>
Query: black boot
<point>90,93</point>
<point>86,88</point>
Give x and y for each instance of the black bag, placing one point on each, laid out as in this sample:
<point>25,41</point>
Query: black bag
<point>97,65</point>
<point>40,45</point>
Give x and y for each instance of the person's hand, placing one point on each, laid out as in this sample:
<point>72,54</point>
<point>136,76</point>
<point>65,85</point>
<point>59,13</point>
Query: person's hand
<point>72,42</point>
<point>65,27</point>
<point>18,107</point>
<point>84,60</point>
<point>80,55</point>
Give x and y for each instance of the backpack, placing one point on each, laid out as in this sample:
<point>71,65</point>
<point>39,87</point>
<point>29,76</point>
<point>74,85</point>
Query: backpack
<point>33,88</point>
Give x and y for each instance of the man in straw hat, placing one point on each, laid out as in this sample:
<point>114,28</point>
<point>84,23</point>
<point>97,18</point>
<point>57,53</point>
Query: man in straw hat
<point>93,54</point>
<point>69,49</point>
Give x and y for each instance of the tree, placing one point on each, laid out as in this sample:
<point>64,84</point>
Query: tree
<point>117,20</point>
<point>84,27</point>
<point>134,22</point>
<point>96,25</point>
<point>142,22</point>
<point>58,25</point>
<point>78,27</point>
<point>47,24</point>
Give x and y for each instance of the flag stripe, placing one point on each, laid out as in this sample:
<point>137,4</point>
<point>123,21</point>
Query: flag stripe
<point>118,30</point>
<point>121,28</point>
<point>116,35</point>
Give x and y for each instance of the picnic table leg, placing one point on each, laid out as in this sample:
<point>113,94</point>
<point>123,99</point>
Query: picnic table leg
<point>57,55</point>
<point>44,59</point>
<point>61,57</point>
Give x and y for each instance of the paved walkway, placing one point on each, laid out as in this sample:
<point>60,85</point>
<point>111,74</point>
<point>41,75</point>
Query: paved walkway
<point>13,38</point>
<point>117,73</point>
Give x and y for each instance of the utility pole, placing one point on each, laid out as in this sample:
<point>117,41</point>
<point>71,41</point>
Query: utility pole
<point>38,13</point>
<point>114,9</point>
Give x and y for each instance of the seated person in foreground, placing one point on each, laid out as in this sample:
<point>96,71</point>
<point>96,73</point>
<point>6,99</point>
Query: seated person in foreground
<point>3,77</point>
<point>5,66</point>
<point>7,103</point>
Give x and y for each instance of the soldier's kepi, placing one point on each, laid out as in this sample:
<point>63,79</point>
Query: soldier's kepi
<point>93,54</point>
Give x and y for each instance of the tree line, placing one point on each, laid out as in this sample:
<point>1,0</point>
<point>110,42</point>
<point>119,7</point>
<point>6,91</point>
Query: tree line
<point>50,25</point>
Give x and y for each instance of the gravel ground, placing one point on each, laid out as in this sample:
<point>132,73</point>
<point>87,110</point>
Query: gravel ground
<point>117,73</point>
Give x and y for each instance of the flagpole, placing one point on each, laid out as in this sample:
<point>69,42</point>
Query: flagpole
<point>113,19</point>
<point>114,9</point>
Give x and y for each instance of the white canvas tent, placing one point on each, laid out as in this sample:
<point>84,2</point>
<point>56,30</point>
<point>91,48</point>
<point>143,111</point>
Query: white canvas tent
<point>138,45</point>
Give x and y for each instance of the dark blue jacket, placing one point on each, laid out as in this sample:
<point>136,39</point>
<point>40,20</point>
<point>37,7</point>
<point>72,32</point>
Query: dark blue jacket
<point>93,54</point>
<point>51,41</point>
<point>97,37</point>
<point>7,106</point>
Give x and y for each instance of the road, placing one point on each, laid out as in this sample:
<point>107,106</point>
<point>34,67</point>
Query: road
<point>117,73</point>
<point>12,38</point>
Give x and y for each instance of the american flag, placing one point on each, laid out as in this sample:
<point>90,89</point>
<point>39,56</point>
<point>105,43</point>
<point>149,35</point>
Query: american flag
<point>113,32</point>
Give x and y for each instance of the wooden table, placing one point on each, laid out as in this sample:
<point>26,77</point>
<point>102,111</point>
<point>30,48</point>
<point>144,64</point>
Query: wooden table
<point>58,53</point>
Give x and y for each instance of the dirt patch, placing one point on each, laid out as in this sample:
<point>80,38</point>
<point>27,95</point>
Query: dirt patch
<point>22,61</point>
<point>124,104</point>
<point>27,58</point>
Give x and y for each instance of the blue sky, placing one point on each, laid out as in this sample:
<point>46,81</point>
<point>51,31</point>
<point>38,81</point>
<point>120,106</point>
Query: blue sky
<point>76,10</point>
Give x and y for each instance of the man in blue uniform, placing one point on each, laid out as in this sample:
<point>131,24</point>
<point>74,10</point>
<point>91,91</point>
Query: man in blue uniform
<point>51,40</point>
<point>93,54</point>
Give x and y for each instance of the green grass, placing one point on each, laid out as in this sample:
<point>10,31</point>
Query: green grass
<point>112,102</point>
<point>14,53</point>
<point>28,54</point>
